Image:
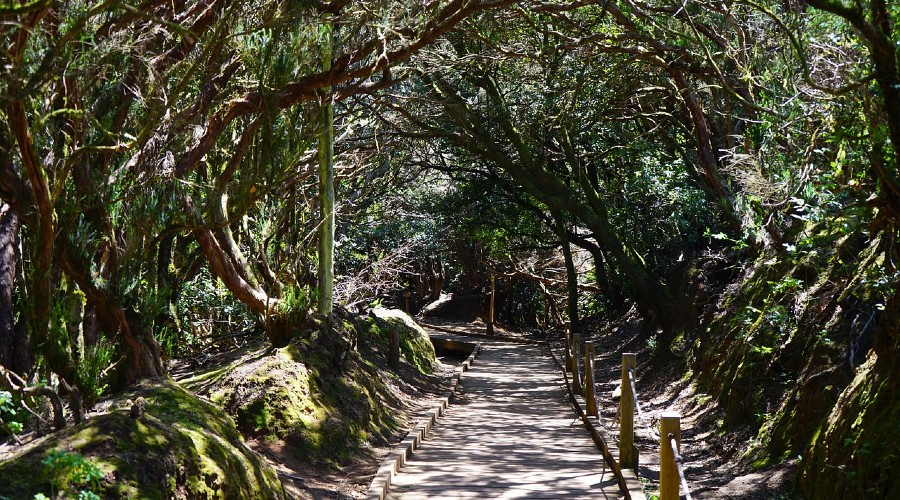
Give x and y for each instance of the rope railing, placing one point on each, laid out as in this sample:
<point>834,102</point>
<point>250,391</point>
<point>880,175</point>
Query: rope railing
<point>637,405</point>
<point>671,463</point>
<point>671,477</point>
<point>679,463</point>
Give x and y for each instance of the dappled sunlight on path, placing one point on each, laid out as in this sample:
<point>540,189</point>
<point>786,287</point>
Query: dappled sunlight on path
<point>510,433</point>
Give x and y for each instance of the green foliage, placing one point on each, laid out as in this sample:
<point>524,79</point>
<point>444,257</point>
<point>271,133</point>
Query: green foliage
<point>93,370</point>
<point>788,284</point>
<point>11,419</point>
<point>205,310</point>
<point>880,282</point>
<point>737,244</point>
<point>296,303</point>
<point>653,346</point>
<point>72,475</point>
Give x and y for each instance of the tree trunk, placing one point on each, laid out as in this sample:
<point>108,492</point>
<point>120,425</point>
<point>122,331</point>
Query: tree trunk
<point>217,208</point>
<point>438,280</point>
<point>43,253</point>
<point>601,269</point>
<point>551,191</point>
<point>326,187</point>
<point>556,195</point>
<point>140,346</point>
<point>571,275</point>
<point>711,178</point>
<point>9,229</point>
<point>14,351</point>
<point>167,285</point>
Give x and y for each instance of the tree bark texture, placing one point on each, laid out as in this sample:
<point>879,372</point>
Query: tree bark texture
<point>326,188</point>
<point>571,274</point>
<point>144,360</point>
<point>14,352</point>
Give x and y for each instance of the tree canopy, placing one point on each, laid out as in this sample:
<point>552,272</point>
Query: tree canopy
<point>167,167</point>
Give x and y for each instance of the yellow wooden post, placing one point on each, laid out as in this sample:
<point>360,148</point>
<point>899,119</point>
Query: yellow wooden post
<point>670,423</point>
<point>627,452</point>
<point>576,372</point>
<point>590,390</point>
<point>568,346</point>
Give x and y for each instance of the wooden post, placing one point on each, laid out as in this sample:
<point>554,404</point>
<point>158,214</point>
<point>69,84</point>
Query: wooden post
<point>569,346</point>
<point>670,423</point>
<point>490,321</point>
<point>590,390</point>
<point>394,351</point>
<point>627,451</point>
<point>406,296</point>
<point>576,372</point>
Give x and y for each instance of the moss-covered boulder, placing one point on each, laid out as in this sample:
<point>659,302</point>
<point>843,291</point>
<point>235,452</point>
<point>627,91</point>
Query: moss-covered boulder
<point>181,447</point>
<point>322,409</point>
<point>415,345</point>
<point>324,396</point>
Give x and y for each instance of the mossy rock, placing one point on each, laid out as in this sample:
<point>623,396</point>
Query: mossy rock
<point>182,447</point>
<point>272,396</point>
<point>321,412</point>
<point>415,345</point>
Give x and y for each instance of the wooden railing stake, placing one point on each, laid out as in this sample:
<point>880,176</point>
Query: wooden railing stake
<point>576,371</point>
<point>670,423</point>
<point>568,346</point>
<point>590,390</point>
<point>406,296</point>
<point>628,458</point>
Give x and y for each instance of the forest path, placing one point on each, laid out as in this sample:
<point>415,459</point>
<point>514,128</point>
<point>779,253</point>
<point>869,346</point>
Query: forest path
<point>510,433</point>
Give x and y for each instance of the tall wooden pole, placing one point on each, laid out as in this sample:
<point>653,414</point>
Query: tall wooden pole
<point>394,349</point>
<point>326,185</point>
<point>576,372</point>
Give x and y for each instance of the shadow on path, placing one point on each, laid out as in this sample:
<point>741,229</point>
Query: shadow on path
<point>509,434</point>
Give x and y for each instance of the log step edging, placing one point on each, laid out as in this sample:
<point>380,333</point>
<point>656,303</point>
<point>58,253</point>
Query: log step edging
<point>381,483</point>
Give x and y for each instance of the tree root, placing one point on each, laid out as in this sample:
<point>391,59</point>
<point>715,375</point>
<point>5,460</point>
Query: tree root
<point>17,385</point>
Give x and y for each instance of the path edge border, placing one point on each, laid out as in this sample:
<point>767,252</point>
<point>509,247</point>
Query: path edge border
<point>390,466</point>
<point>629,483</point>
